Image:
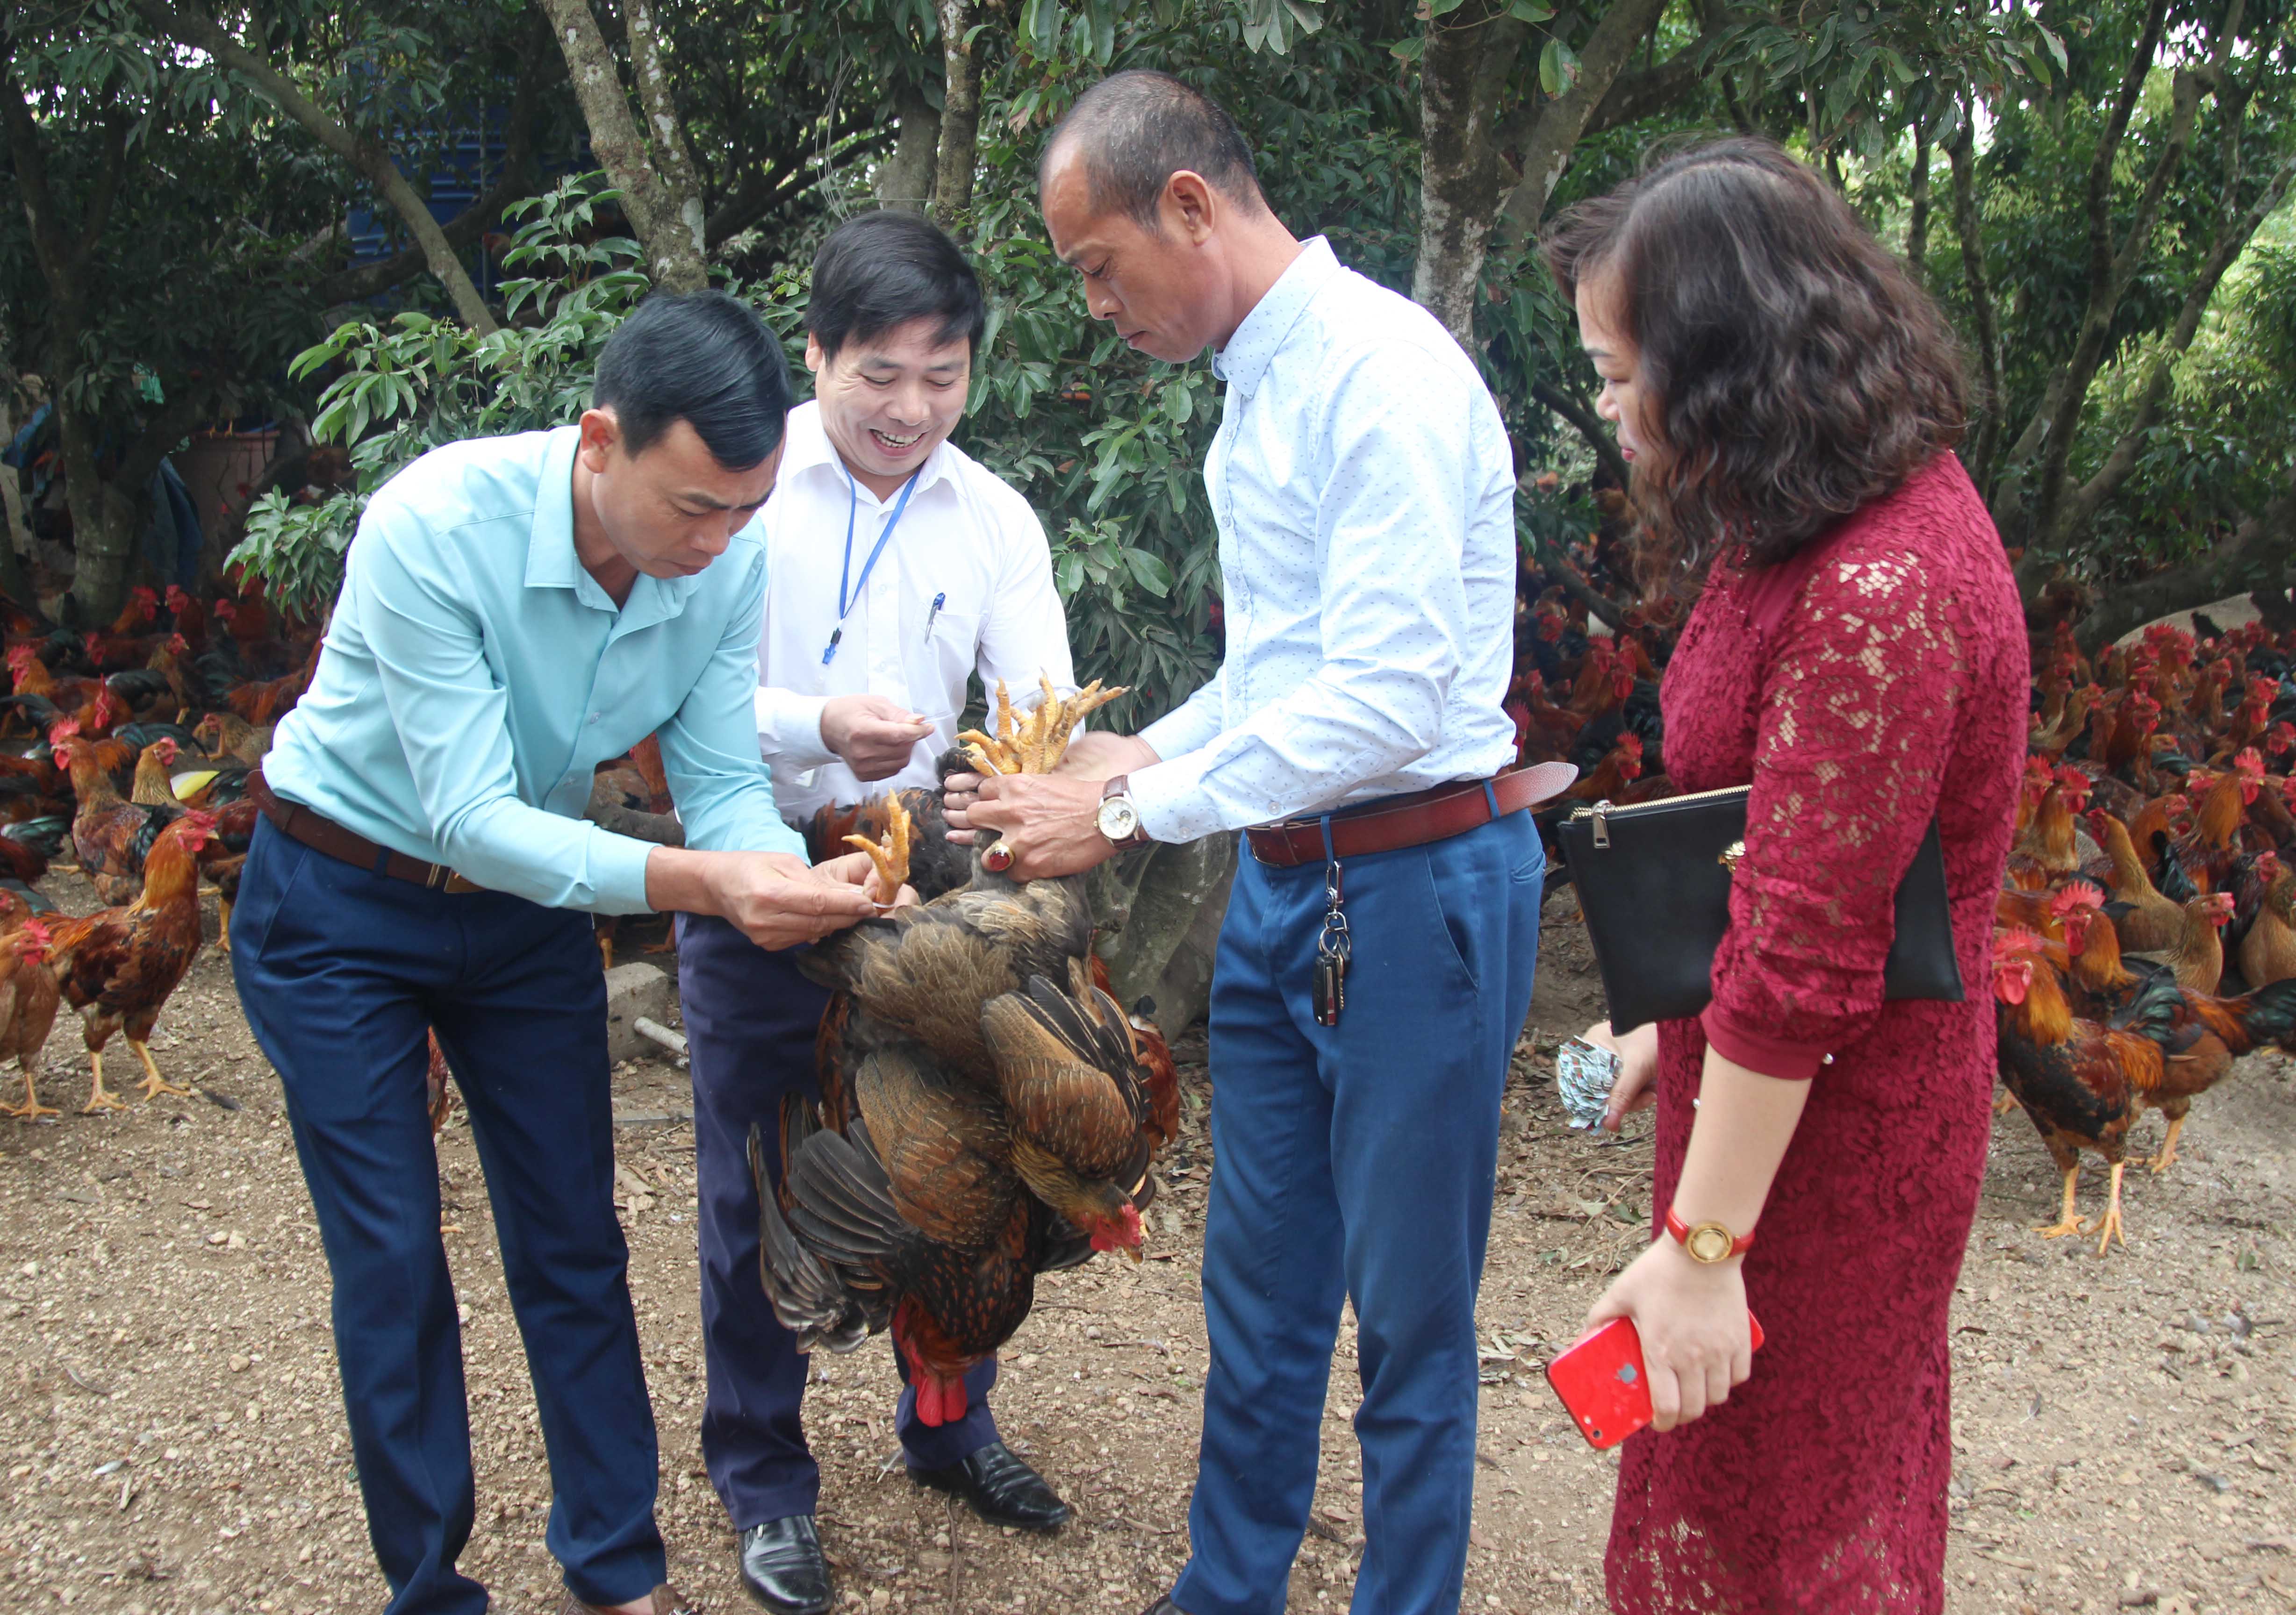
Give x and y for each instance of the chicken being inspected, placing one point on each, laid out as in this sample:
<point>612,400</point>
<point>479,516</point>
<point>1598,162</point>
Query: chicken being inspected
<point>988,1112</point>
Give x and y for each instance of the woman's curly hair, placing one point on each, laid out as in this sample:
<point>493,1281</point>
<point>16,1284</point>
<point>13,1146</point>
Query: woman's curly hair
<point>1797,371</point>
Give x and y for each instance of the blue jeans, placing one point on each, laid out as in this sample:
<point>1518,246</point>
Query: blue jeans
<point>751,1020</point>
<point>1356,1161</point>
<point>342,972</point>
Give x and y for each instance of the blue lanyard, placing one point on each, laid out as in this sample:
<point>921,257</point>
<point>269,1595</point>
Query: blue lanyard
<point>846,601</point>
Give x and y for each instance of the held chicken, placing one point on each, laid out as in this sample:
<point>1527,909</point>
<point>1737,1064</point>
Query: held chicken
<point>988,1112</point>
<point>117,966</point>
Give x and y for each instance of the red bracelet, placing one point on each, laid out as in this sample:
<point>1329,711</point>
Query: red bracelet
<point>1706,1242</point>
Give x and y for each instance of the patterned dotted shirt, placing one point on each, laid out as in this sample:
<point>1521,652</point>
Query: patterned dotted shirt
<point>1364,490</point>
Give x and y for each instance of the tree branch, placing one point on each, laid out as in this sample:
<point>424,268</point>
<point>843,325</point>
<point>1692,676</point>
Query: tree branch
<point>2256,554</point>
<point>517,179</point>
<point>1589,426</point>
<point>2081,507</point>
<point>1647,91</point>
<point>363,152</point>
<point>1465,65</point>
<point>1564,118</point>
<point>1968,227</point>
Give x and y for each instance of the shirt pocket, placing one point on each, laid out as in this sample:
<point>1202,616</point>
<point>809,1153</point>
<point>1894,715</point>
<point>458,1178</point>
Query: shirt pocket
<point>943,662</point>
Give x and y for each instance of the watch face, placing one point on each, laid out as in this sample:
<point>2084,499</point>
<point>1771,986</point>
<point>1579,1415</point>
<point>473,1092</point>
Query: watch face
<point>1709,1242</point>
<point>1118,818</point>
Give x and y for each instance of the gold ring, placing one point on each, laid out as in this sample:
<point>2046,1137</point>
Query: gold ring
<point>998,858</point>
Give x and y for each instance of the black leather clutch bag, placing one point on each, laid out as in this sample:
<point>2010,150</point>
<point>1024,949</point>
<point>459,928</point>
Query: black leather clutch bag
<point>1655,882</point>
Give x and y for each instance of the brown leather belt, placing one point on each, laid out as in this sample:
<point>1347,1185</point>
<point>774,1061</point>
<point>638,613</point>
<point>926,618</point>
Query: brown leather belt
<point>1410,821</point>
<point>323,834</point>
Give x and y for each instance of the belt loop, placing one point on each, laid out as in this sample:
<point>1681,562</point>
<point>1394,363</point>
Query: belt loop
<point>1491,797</point>
<point>382,865</point>
<point>1329,855</point>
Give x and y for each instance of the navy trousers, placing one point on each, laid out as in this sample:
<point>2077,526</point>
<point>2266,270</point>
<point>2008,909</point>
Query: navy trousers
<point>342,972</point>
<point>1356,1161</point>
<point>751,1019</point>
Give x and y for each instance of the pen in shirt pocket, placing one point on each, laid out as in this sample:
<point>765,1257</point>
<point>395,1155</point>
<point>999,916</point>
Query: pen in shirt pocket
<point>940,601</point>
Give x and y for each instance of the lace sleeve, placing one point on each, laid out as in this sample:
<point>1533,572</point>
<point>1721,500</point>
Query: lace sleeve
<point>1855,722</point>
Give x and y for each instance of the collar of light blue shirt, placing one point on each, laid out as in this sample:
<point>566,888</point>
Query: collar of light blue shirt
<point>550,562</point>
<point>1250,350</point>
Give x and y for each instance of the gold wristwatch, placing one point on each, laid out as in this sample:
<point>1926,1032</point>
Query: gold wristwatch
<point>1119,820</point>
<point>1706,1242</point>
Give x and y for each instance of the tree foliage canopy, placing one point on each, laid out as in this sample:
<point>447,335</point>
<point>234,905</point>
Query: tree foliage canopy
<point>2096,193</point>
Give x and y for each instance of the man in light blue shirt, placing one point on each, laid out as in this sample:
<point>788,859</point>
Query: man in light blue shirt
<point>515,611</point>
<point>1374,965</point>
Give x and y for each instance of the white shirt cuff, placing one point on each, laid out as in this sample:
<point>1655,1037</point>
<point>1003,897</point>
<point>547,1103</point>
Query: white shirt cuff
<point>788,728</point>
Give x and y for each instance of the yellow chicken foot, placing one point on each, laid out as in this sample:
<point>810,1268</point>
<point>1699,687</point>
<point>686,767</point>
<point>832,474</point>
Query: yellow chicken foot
<point>890,857</point>
<point>2005,1103</point>
<point>154,1085</point>
<point>2068,1220</point>
<point>223,929</point>
<point>99,1097</point>
<point>31,1110</point>
<point>2168,1156</point>
<point>2108,1227</point>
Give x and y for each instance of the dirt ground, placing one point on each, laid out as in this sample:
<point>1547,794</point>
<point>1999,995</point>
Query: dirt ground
<point>172,1439</point>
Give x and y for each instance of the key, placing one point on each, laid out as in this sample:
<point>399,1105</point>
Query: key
<point>1331,990</point>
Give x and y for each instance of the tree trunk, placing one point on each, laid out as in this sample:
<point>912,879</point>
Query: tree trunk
<point>666,134</point>
<point>656,214</point>
<point>1917,200</point>
<point>363,152</point>
<point>1469,57</point>
<point>960,116</point>
<point>905,178</point>
<point>1968,227</point>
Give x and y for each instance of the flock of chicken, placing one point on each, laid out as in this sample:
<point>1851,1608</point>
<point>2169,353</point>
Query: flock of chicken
<point>2146,935</point>
<point>100,724</point>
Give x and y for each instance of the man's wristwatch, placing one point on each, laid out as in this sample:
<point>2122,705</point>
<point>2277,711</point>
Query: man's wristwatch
<point>1706,1242</point>
<point>1118,819</point>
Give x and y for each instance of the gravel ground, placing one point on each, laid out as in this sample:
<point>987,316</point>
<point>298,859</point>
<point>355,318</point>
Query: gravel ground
<point>172,1440</point>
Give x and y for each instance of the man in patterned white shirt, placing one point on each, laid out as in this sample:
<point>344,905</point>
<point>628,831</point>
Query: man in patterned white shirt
<point>1363,492</point>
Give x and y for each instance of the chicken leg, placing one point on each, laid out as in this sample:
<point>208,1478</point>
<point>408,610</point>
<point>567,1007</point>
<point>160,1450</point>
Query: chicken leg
<point>154,1085</point>
<point>2005,1103</point>
<point>222,923</point>
<point>891,855</point>
<point>2108,1227</point>
<point>31,1110</point>
<point>2167,1155</point>
<point>2068,1220</point>
<point>99,1097</point>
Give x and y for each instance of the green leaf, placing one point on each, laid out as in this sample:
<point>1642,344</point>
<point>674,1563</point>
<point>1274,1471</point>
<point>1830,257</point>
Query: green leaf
<point>1408,50</point>
<point>1179,404</point>
<point>1149,572</point>
<point>1530,11</point>
<point>1558,68</point>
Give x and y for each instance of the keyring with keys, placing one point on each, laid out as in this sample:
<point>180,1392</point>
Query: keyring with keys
<point>1332,949</point>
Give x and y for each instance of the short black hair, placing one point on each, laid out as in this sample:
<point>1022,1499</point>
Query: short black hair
<point>702,357</point>
<point>882,270</point>
<point>1139,128</point>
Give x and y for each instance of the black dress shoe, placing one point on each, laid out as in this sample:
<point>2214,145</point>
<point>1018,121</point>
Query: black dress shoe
<point>1164,1606</point>
<point>782,1568</point>
<point>1000,1488</point>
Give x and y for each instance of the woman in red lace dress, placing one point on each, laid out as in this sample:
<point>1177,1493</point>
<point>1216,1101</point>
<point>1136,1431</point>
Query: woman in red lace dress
<point>1788,399</point>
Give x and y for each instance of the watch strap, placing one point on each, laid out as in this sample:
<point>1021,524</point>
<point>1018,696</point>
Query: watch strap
<point>1739,1243</point>
<point>1119,785</point>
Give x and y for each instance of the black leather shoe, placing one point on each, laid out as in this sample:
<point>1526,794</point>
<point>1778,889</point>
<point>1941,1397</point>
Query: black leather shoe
<point>1164,1606</point>
<point>782,1568</point>
<point>999,1488</point>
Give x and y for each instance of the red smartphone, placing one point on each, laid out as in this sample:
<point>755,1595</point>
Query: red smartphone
<point>1600,1378</point>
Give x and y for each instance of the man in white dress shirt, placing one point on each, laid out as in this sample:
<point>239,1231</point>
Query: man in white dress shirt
<point>895,566</point>
<point>1363,492</point>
